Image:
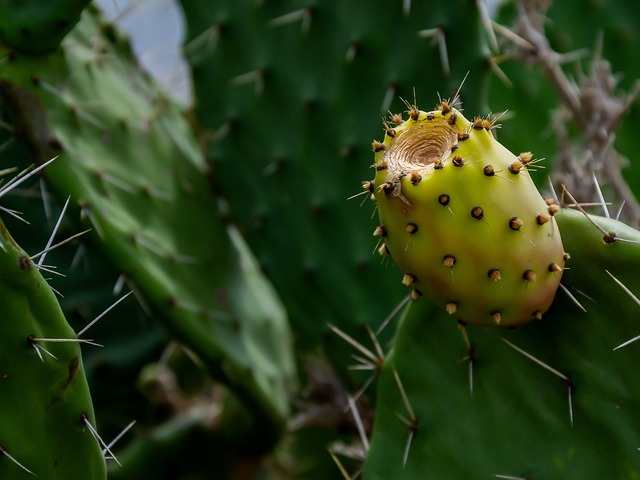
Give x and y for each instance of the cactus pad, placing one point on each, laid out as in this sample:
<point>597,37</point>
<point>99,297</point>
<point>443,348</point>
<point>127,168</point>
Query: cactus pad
<point>462,218</point>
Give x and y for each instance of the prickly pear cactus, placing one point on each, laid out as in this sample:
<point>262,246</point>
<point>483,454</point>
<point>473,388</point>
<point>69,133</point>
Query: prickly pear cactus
<point>462,218</point>
<point>47,415</point>
<point>136,174</point>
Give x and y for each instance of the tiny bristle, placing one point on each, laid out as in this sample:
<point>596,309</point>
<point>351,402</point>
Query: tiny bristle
<point>411,228</point>
<point>543,218</point>
<point>381,165</point>
<point>525,157</point>
<point>445,107</point>
<point>494,274</point>
<point>553,209</point>
<point>554,267</point>
<point>408,278</point>
<point>537,315</point>
<point>515,167</point>
<point>383,250</point>
<point>488,170</point>
<point>529,275</point>
<point>415,294</point>
<point>515,223</point>
<point>449,261</point>
<point>458,161</point>
<point>416,178</point>
<point>380,231</point>
<point>377,146</point>
<point>477,212</point>
<point>396,118</point>
<point>452,308</point>
<point>496,316</point>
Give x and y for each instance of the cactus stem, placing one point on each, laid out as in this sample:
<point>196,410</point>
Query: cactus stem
<point>359,425</point>
<point>85,420</point>
<point>95,320</point>
<point>572,297</point>
<point>3,451</point>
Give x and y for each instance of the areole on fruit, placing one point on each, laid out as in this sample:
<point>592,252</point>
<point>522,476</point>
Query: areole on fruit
<point>464,221</point>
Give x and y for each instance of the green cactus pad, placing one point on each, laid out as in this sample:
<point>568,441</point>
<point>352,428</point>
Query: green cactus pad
<point>129,161</point>
<point>288,94</point>
<point>574,415</point>
<point>43,398</point>
<point>36,27</point>
<point>462,218</point>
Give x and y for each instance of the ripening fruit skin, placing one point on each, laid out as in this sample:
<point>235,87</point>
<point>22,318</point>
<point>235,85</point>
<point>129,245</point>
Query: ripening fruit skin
<point>463,220</point>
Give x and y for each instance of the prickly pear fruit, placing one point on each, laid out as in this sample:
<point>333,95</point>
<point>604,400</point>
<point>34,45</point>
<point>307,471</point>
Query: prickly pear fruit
<point>461,216</point>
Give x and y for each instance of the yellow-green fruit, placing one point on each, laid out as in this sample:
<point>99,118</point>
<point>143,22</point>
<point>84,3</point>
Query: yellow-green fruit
<point>460,215</point>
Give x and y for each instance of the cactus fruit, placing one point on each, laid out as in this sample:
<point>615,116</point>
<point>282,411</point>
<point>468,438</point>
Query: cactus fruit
<point>44,394</point>
<point>461,216</point>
